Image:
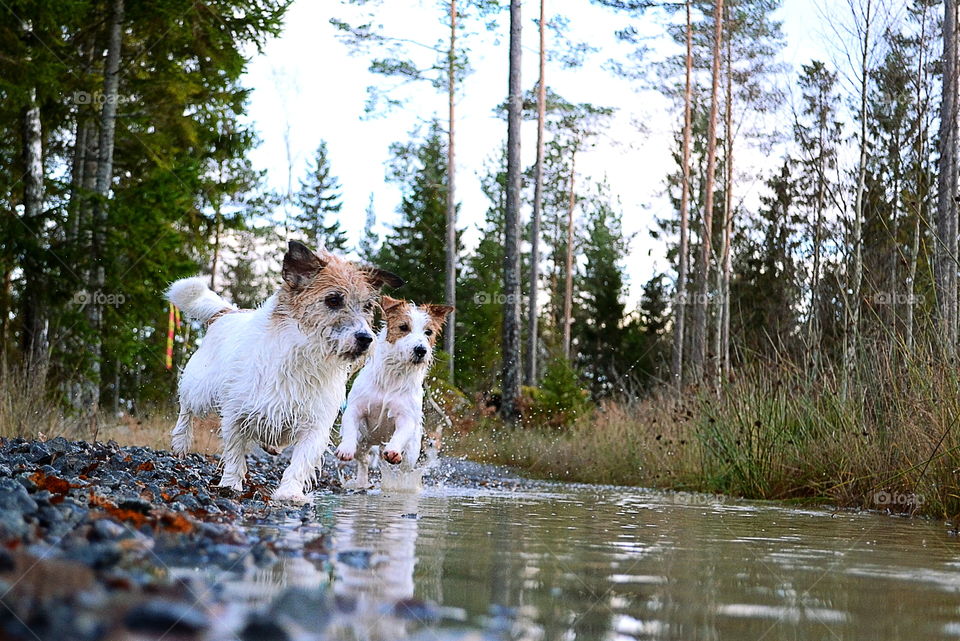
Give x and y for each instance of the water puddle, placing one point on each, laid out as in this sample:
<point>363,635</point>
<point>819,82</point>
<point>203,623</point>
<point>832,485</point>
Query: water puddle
<point>575,562</point>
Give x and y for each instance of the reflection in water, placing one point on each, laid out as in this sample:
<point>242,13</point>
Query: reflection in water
<point>601,563</point>
<point>375,539</point>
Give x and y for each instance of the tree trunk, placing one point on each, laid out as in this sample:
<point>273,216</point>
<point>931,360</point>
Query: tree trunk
<point>449,333</point>
<point>568,264</point>
<point>911,279</point>
<point>701,303</point>
<point>921,155</point>
<point>852,343</point>
<point>680,295</point>
<point>33,342</point>
<point>511,256</point>
<point>108,118</point>
<point>723,326</point>
<point>76,179</point>
<point>946,245</point>
<point>532,311</point>
<point>215,263</point>
<point>813,327</point>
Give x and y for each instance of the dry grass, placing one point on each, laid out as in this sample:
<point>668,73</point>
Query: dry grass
<point>154,431</point>
<point>27,410</point>
<point>26,407</point>
<point>887,439</point>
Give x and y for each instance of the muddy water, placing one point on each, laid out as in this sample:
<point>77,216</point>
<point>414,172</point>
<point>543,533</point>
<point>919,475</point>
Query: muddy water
<point>589,563</point>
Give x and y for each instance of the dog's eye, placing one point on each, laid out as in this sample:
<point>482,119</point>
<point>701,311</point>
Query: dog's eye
<point>404,328</point>
<point>428,332</point>
<point>334,300</point>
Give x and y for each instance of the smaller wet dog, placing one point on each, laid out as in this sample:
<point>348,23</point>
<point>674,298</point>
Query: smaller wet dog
<point>385,404</point>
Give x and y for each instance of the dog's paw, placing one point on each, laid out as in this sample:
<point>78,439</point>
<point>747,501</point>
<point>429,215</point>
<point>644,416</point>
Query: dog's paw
<point>346,452</point>
<point>391,456</point>
<point>237,486</point>
<point>283,495</point>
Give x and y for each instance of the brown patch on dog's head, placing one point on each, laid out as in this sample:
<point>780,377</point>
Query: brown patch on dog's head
<point>396,313</point>
<point>438,316</point>
<point>329,295</point>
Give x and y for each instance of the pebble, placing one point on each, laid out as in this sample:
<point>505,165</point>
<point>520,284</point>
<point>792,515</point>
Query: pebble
<point>136,512</point>
<point>166,618</point>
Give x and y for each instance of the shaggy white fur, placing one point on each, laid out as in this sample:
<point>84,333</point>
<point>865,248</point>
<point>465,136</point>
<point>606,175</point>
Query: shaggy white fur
<point>275,378</point>
<point>385,405</point>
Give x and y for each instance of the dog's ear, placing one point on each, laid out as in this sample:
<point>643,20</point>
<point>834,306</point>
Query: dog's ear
<point>379,277</point>
<point>438,312</point>
<point>388,304</point>
<point>300,265</point>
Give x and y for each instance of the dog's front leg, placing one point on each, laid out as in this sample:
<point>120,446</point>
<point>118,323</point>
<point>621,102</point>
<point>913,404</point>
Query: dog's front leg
<point>411,450</point>
<point>307,457</point>
<point>406,429</point>
<point>363,466</point>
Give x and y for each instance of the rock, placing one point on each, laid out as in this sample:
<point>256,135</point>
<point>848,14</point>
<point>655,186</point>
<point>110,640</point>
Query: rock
<point>309,609</point>
<point>188,501</point>
<point>163,617</point>
<point>12,525</point>
<point>107,530</point>
<point>7,563</point>
<point>135,504</point>
<point>228,506</point>
<point>261,628</point>
<point>14,496</point>
<point>357,559</point>
<point>98,556</point>
<point>39,453</point>
<point>58,445</point>
<point>416,610</point>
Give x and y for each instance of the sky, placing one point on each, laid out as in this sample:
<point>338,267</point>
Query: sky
<point>307,87</point>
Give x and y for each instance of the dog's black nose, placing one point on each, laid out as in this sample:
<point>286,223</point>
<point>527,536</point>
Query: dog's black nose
<point>363,339</point>
<point>419,351</point>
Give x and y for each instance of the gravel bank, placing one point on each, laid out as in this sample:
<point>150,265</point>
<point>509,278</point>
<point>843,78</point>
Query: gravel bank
<point>89,533</point>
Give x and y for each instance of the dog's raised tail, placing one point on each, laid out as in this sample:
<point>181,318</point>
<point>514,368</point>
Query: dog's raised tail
<point>195,298</point>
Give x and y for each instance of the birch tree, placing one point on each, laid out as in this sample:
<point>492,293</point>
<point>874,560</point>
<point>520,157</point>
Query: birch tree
<point>533,311</point>
<point>701,303</point>
<point>680,293</point>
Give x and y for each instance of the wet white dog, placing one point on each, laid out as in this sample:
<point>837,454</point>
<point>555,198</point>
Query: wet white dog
<point>277,375</point>
<point>385,405</point>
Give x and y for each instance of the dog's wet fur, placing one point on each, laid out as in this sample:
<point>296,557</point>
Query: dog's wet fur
<point>277,375</point>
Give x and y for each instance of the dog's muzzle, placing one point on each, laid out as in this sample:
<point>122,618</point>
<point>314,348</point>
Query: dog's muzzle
<point>418,353</point>
<point>363,340</point>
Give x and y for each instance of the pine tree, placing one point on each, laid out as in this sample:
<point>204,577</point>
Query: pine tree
<point>511,370</point>
<point>766,290</point>
<point>818,133</point>
<point>601,292</point>
<point>481,286</point>
<point>131,101</point>
<point>415,248</point>
<point>370,240</point>
<point>319,201</point>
